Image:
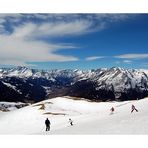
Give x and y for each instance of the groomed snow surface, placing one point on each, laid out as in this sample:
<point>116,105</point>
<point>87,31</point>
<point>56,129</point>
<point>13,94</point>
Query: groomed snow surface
<point>88,117</point>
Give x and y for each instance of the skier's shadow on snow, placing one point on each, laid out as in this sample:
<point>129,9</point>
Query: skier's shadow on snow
<point>70,125</point>
<point>112,113</point>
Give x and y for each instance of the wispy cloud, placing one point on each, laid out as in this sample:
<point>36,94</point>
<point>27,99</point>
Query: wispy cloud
<point>52,29</point>
<point>127,61</point>
<point>21,46</point>
<point>123,61</point>
<point>24,41</point>
<point>132,56</point>
<point>92,21</point>
<point>93,58</point>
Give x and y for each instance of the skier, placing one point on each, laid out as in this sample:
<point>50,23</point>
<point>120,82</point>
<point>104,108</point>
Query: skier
<point>112,110</point>
<point>71,122</point>
<point>134,108</point>
<point>47,123</point>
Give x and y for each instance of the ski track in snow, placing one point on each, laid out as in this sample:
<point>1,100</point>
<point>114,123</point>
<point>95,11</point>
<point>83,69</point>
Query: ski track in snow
<point>88,118</point>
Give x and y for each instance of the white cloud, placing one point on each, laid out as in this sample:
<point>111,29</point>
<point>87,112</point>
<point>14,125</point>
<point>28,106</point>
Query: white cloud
<point>21,46</point>
<point>96,21</point>
<point>93,58</point>
<point>1,25</point>
<point>127,61</point>
<point>132,56</point>
<point>1,28</point>
<point>24,42</point>
<point>124,61</point>
<point>113,17</point>
<point>51,29</point>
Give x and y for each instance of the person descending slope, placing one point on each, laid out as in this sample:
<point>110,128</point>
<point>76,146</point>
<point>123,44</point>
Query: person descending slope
<point>112,110</point>
<point>71,122</point>
<point>133,108</point>
<point>47,123</point>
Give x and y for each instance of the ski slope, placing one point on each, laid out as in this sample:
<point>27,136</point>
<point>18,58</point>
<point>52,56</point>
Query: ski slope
<point>88,117</point>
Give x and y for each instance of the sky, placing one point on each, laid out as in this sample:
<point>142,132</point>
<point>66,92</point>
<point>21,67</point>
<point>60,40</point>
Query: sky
<point>74,41</point>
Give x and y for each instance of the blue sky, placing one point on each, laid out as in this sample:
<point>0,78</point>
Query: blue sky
<point>74,41</point>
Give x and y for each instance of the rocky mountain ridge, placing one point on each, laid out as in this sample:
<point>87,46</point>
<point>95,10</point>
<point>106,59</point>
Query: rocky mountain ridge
<point>31,85</point>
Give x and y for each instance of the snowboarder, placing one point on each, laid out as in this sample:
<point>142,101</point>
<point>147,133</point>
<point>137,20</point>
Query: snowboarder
<point>112,110</point>
<point>47,123</point>
<point>134,108</point>
<point>71,122</point>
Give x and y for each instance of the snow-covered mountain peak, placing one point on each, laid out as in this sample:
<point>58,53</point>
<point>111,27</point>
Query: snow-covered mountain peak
<point>111,83</point>
<point>22,71</point>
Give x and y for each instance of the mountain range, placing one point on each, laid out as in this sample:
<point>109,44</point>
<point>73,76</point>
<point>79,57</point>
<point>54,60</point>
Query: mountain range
<point>104,84</point>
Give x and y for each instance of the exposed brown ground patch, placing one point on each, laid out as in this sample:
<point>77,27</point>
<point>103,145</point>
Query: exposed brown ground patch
<point>50,113</point>
<point>73,98</point>
<point>49,103</point>
<point>38,105</point>
<point>78,98</point>
<point>42,105</point>
<point>4,110</point>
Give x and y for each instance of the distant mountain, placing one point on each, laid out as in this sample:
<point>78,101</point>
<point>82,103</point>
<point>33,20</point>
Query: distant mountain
<point>9,106</point>
<point>30,85</point>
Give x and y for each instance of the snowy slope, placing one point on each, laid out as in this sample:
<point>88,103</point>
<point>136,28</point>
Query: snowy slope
<point>88,117</point>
